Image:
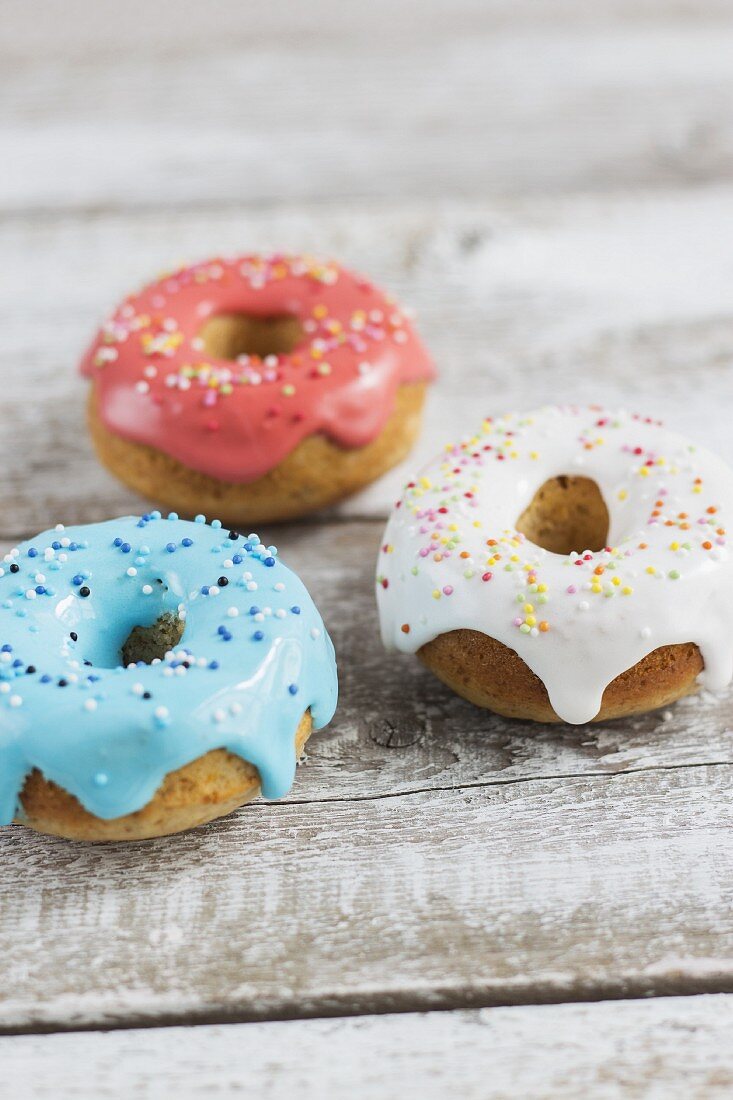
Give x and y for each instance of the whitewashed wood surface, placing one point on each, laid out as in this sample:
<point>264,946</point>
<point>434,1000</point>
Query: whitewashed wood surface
<point>670,1049</point>
<point>550,184</point>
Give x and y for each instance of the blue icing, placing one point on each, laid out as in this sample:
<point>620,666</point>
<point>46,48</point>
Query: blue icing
<point>253,657</point>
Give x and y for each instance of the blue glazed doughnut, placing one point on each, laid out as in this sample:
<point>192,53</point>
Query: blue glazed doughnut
<point>253,660</point>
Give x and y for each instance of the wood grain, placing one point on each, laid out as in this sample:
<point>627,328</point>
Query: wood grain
<point>672,1048</point>
<point>624,300</point>
<point>232,104</point>
<point>553,890</point>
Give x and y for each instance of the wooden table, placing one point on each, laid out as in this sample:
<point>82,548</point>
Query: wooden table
<point>447,903</point>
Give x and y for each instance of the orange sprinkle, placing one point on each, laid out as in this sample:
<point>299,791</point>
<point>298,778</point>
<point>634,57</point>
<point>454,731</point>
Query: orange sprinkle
<point>405,628</point>
<point>707,545</point>
<point>544,626</point>
<point>711,510</point>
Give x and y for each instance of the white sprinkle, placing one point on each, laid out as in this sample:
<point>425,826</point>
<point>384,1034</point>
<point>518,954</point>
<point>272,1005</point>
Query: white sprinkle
<point>161,712</point>
<point>251,586</point>
<point>132,571</point>
<point>645,632</point>
<point>40,578</point>
<point>4,686</point>
<point>279,587</point>
<point>90,704</point>
<point>147,589</point>
<point>214,590</point>
<point>583,606</point>
<point>138,689</point>
<point>15,700</point>
<point>31,594</point>
<point>315,632</point>
<point>235,708</point>
<point>219,715</point>
<point>259,617</point>
<point>233,612</point>
<point>65,542</point>
<point>280,613</point>
<point>228,563</point>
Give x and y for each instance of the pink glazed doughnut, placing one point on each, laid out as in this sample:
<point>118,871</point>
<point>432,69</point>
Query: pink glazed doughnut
<point>255,387</point>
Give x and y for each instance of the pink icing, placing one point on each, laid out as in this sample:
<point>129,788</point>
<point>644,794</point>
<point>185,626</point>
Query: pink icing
<point>237,419</point>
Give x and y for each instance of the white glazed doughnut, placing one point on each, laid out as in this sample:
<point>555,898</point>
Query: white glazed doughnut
<point>453,558</point>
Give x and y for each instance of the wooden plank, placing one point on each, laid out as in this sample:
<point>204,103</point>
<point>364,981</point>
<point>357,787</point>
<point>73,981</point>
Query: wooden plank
<point>675,1048</point>
<point>459,98</point>
<point>564,889</point>
<point>619,299</point>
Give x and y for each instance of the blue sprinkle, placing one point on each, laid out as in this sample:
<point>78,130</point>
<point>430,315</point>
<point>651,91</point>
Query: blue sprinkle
<point>17,662</point>
<point>254,610</point>
<point>91,678</point>
<point>269,562</point>
<point>56,545</point>
<point>7,648</point>
<point>237,559</point>
<point>125,548</point>
<point>101,779</point>
<point>173,515</point>
<point>40,590</point>
<point>227,636</point>
<point>77,579</point>
<point>295,610</point>
<point>204,589</point>
<point>170,547</point>
<point>293,689</point>
<point>258,635</point>
<point>186,542</point>
<point>32,553</point>
<point>73,546</point>
<point>140,523</point>
<point>213,664</point>
<point>46,679</point>
<point>222,630</point>
<point>248,547</point>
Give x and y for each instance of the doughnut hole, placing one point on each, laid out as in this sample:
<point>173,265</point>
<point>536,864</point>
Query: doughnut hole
<point>229,335</point>
<point>566,513</point>
<point>148,643</point>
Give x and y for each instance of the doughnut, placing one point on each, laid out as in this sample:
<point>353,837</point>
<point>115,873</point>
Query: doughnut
<point>569,564</point>
<point>154,674</point>
<point>255,388</point>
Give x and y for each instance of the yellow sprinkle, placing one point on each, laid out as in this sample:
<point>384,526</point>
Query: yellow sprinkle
<point>528,608</point>
<point>530,620</point>
<point>541,587</point>
<point>674,546</point>
<point>622,494</point>
<point>616,580</point>
<point>651,569</point>
<point>644,471</point>
<point>627,590</point>
<point>436,593</point>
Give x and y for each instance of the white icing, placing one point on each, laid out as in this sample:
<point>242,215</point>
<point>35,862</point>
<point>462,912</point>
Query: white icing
<point>677,588</point>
